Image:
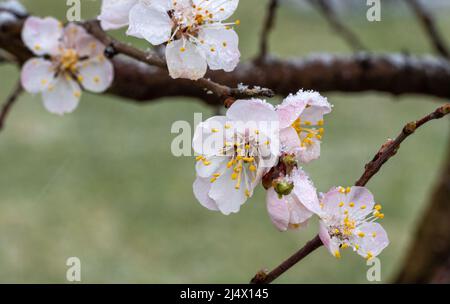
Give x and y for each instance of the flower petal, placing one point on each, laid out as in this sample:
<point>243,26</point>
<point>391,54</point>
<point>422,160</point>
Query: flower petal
<point>278,210</point>
<point>42,35</point>
<point>201,188</point>
<point>115,13</point>
<point>224,192</point>
<point>362,200</point>
<point>221,47</point>
<point>290,142</point>
<point>185,60</point>
<point>36,75</point>
<point>150,22</point>
<point>290,110</point>
<point>317,106</point>
<point>76,37</point>
<point>330,243</point>
<point>62,96</point>
<point>374,241</point>
<point>305,191</point>
<point>331,202</point>
<point>96,75</point>
<point>310,152</point>
<point>208,137</point>
<point>252,110</point>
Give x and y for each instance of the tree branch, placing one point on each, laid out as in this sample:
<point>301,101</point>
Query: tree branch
<point>428,23</point>
<point>389,73</point>
<point>116,47</point>
<point>10,100</point>
<point>388,150</point>
<point>327,11</point>
<point>268,25</point>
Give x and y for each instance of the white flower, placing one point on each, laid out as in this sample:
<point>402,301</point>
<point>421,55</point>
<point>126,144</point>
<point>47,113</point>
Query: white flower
<point>301,123</point>
<point>347,218</point>
<point>69,59</point>
<point>234,152</point>
<point>290,211</point>
<point>193,29</point>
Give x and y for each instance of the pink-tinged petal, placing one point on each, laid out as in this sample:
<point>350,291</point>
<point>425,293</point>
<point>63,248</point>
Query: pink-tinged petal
<point>150,22</point>
<point>310,153</point>
<point>290,142</point>
<point>331,244</point>
<point>375,239</point>
<point>299,214</point>
<point>96,75</point>
<point>220,10</point>
<point>42,36</point>
<point>362,201</point>
<point>201,188</point>
<point>227,196</point>
<point>278,210</point>
<point>252,110</point>
<point>332,202</point>
<point>36,75</point>
<point>62,96</point>
<point>115,13</point>
<point>221,47</point>
<point>76,37</point>
<point>290,110</point>
<point>305,191</point>
<point>185,60</point>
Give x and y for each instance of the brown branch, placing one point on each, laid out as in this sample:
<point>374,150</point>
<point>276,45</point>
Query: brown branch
<point>116,47</point>
<point>429,25</point>
<point>268,25</point>
<point>327,11</point>
<point>395,74</point>
<point>10,100</point>
<point>263,277</point>
<point>383,155</point>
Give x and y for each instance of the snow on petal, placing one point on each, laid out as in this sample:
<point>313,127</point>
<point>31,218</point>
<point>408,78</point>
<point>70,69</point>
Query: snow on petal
<point>62,96</point>
<point>185,60</point>
<point>42,35</point>
<point>290,110</point>
<point>36,75</point>
<point>115,13</point>
<point>305,191</point>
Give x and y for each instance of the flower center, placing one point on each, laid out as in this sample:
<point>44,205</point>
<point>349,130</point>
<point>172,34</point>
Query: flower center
<point>69,60</point>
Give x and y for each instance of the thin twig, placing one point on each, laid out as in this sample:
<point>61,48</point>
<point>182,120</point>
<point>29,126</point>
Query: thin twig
<point>388,150</point>
<point>327,11</point>
<point>429,25</point>
<point>115,47</point>
<point>12,98</point>
<point>269,23</point>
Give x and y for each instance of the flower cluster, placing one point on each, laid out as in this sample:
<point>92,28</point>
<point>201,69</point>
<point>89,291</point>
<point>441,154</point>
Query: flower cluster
<point>68,59</point>
<point>255,143</point>
<point>194,31</point>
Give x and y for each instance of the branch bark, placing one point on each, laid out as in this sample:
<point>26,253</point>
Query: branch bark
<point>390,73</point>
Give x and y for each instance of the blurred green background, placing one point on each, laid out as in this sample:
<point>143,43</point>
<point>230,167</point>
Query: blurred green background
<point>101,184</point>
